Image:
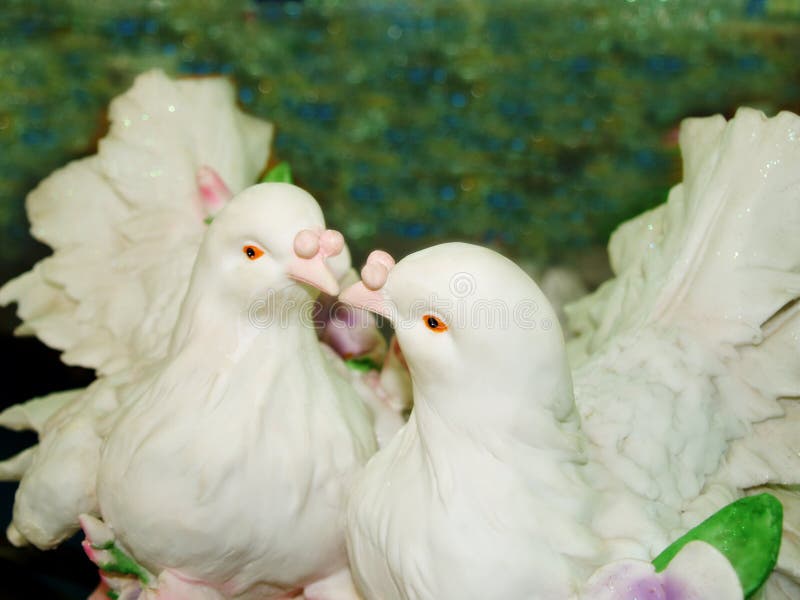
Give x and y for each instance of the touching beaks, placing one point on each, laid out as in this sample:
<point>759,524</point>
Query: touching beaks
<point>359,296</point>
<point>367,293</point>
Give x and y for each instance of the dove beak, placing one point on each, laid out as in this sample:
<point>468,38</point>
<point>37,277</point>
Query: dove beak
<point>315,272</point>
<point>372,300</point>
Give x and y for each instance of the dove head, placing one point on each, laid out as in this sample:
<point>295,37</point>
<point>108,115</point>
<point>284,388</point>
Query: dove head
<point>480,338</point>
<point>268,243</point>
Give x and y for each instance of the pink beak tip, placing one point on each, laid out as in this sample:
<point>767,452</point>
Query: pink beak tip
<point>359,296</point>
<point>331,242</point>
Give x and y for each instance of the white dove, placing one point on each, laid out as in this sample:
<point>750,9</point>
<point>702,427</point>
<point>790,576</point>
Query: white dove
<point>480,495</point>
<point>496,488</point>
<point>229,469</point>
<point>126,226</point>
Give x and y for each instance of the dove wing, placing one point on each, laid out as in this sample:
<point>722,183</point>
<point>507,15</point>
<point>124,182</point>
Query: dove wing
<point>126,223</point>
<point>687,368</point>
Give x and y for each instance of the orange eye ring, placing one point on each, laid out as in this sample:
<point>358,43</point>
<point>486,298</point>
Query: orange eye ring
<point>434,323</point>
<point>252,252</point>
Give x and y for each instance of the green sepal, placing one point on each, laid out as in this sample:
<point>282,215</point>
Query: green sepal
<point>107,546</point>
<point>112,594</point>
<point>208,220</point>
<point>362,363</point>
<point>747,532</point>
<point>124,564</point>
<point>280,173</point>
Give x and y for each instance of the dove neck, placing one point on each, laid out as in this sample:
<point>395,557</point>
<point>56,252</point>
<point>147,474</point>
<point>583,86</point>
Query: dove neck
<point>537,411</point>
<point>547,458</point>
<point>203,325</point>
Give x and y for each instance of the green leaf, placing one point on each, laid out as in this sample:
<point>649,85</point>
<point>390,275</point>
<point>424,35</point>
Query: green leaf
<point>125,565</point>
<point>747,532</point>
<point>363,363</point>
<point>280,173</point>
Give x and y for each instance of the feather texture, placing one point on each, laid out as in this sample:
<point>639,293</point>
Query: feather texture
<point>126,223</point>
<point>687,362</point>
<point>125,226</point>
<point>684,371</point>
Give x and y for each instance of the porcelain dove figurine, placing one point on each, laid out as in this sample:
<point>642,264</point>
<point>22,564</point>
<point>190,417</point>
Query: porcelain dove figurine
<point>517,476</point>
<point>229,469</point>
<point>126,226</point>
<point>484,479</point>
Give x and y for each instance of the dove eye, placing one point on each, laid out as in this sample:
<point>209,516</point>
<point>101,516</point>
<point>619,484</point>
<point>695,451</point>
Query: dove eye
<point>253,252</point>
<point>434,323</point>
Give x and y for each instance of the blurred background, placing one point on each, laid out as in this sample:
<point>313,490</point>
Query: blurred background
<point>532,127</point>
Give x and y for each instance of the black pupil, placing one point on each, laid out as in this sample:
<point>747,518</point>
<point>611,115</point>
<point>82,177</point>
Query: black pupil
<point>433,323</point>
<point>250,252</point>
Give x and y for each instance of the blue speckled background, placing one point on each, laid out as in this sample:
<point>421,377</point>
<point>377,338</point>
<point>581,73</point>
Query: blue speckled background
<point>534,127</point>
